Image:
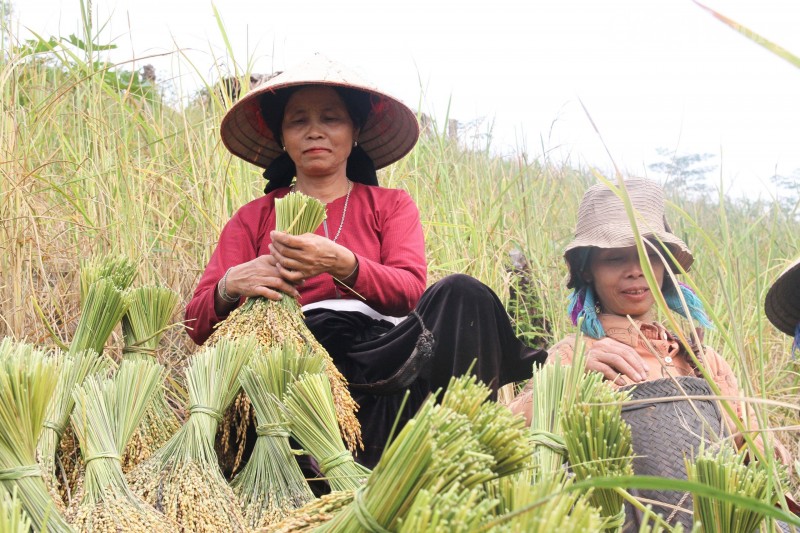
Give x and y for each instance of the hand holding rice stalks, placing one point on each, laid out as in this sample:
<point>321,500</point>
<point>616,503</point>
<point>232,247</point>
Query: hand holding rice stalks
<point>106,415</point>
<point>27,381</point>
<point>182,479</point>
<point>281,323</point>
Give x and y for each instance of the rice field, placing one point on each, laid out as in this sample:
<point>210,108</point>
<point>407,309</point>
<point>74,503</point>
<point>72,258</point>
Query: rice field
<point>95,160</point>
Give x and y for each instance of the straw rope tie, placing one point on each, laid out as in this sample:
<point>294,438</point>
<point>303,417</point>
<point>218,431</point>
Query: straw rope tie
<point>55,426</point>
<point>274,429</point>
<point>213,413</point>
<point>144,350</point>
<point>365,519</point>
<point>326,464</point>
<point>102,455</point>
<point>19,472</point>
<point>540,437</point>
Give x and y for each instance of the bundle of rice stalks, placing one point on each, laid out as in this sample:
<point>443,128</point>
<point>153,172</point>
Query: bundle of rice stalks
<point>12,517</point>
<point>313,514</point>
<point>27,381</point>
<point>106,414</point>
<point>501,434</point>
<point>435,451</point>
<point>119,269</point>
<point>271,484</point>
<point>281,323</point>
<point>726,470</point>
<point>101,310</point>
<point>599,443</point>
<point>313,423</point>
<point>74,368</point>
<point>150,310</point>
<point>454,511</point>
<point>543,505</point>
<point>182,479</point>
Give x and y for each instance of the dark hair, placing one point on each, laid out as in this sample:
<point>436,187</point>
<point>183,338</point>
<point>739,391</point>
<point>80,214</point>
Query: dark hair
<point>360,167</point>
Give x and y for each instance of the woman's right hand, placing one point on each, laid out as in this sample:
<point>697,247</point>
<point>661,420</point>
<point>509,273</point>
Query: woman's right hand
<point>258,277</point>
<point>616,361</point>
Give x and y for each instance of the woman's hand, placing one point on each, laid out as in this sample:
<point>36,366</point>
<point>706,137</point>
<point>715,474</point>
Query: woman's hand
<point>299,257</point>
<point>259,277</point>
<point>616,361</point>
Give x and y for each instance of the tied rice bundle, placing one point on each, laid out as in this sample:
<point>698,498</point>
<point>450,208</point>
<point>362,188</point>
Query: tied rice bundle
<point>279,323</point>
<point>150,310</point>
<point>74,368</point>
<point>553,388</point>
<point>12,517</point>
<point>313,423</point>
<point>118,269</point>
<point>435,451</point>
<point>312,514</point>
<point>27,381</point>
<point>599,443</point>
<point>106,414</point>
<point>726,470</point>
<point>271,484</point>
<point>102,309</point>
<point>182,479</point>
<point>544,504</point>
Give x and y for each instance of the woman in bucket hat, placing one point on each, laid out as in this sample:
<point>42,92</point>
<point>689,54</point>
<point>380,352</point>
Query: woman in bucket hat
<point>612,299</point>
<point>361,277</point>
<point>782,303</point>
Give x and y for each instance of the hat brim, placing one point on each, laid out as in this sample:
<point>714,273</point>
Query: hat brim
<point>782,304</point>
<point>389,133</point>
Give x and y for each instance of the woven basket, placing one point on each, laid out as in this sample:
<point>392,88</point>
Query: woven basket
<point>663,433</point>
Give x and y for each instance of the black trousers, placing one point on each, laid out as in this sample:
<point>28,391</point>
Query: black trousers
<point>469,326</point>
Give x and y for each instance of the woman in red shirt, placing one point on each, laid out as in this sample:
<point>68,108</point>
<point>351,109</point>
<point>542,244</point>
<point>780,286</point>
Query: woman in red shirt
<point>361,277</point>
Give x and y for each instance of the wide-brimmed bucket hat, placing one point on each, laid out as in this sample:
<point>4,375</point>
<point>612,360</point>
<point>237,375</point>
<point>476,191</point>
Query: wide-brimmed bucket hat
<point>782,304</point>
<point>389,132</point>
<point>603,223</point>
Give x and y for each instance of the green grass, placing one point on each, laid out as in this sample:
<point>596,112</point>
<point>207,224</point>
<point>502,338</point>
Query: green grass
<point>87,168</point>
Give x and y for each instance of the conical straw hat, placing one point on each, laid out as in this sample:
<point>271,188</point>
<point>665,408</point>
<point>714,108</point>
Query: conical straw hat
<point>389,133</point>
<point>782,304</point>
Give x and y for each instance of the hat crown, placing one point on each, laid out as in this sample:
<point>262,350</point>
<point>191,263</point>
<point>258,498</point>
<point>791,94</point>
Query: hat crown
<point>602,208</point>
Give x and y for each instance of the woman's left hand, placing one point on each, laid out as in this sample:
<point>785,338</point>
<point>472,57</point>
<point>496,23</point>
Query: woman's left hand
<point>304,256</point>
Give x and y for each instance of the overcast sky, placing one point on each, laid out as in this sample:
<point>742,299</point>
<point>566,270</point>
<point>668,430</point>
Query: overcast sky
<point>656,73</point>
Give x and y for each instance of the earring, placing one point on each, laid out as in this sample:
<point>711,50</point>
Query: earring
<point>355,143</point>
<point>284,148</point>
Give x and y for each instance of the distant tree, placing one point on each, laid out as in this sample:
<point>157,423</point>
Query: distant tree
<point>788,192</point>
<point>684,172</point>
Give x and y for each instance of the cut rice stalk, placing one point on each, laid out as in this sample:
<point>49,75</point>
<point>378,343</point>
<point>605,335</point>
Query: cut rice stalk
<point>182,479</point>
<point>150,310</point>
<point>313,514</point>
<point>277,323</point>
<point>456,510</point>
<point>13,518</point>
<point>101,311</point>
<point>106,415</point>
<point>119,269</point>
<point>313,423</point>
<point>27,381</point>
<point>726,470</point>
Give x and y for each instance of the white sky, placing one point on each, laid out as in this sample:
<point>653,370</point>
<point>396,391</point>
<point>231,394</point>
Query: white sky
<point>656,73</point>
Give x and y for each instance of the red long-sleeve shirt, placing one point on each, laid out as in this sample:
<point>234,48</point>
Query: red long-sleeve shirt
<point>381,227</point>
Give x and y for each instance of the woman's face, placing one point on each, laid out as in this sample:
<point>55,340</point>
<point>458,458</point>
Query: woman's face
<point>318,132</point>
<point>619,281</point>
